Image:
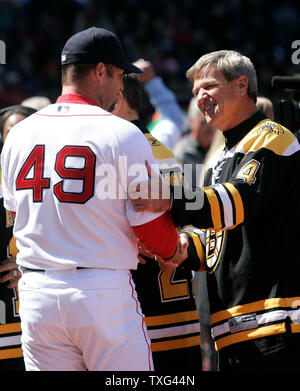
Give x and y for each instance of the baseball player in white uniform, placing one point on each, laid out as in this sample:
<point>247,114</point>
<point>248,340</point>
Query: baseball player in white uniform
<point>67,171</point>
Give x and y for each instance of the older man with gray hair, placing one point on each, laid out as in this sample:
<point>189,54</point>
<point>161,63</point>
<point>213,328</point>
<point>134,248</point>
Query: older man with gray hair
<point>249,219</point>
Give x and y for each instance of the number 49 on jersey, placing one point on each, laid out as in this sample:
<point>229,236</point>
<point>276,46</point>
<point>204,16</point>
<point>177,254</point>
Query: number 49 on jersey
<point>38,183</point>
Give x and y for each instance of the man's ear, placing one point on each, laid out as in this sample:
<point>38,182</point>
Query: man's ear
<point>100,69</point>
<point>242,85</point>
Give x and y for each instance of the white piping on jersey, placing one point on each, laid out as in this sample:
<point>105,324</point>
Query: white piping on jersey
<point>240,323</point>
<point>10,341</point>
<point>175,331</point>
<point>227,204</point>
<point>200,232</point>
<point>292,148</point>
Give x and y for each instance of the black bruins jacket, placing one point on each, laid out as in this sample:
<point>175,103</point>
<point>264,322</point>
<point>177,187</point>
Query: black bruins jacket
<point>249,214</point>
<point>10,326</point>
<point>167,298</point>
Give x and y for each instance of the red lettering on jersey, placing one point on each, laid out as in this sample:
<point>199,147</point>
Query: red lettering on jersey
<point>34,161</point>
<point>37,182</point>
<point>86,174</point>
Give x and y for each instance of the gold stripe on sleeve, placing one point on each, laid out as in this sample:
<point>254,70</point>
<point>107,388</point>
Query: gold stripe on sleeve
<point>250,334</point>
<point>214,207</point>
<point>197,242</point>
<point>10,353</point>
<point>199,248</point>
<point>176,344</point>
<point>171,318</point>
<point>10,328</point>
<point>238,203</point>
<point>295,327</point>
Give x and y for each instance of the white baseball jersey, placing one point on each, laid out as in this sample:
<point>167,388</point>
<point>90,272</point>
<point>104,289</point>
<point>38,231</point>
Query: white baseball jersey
<point>66,173</point>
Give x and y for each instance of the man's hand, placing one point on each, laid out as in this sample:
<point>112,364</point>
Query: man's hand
<point>13,274</point>
<point>181,254</point>
<point>143,251</point>
<point>166,265</point>
<point>147,67</point>
<point>157,199</point>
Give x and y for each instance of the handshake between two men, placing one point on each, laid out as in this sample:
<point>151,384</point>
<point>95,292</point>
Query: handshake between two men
<point>157,201</point>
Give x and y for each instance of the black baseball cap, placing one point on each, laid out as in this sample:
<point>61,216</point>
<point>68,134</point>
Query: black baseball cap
<point>95,45</point>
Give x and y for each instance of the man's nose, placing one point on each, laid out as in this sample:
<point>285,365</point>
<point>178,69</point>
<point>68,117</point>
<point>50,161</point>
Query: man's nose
<point>201,96</point>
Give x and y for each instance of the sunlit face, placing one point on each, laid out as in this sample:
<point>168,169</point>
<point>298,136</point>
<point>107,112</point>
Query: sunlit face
<point>217,98</point>
<point>11,121</point>
<point>112,84</point>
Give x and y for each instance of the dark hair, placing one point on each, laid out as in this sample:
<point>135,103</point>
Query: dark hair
<point>6,112</point>
<point>133,92</point>
<point>76,72</point>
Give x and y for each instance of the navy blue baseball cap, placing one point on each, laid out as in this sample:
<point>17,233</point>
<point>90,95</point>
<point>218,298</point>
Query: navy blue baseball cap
<point>95,45</point>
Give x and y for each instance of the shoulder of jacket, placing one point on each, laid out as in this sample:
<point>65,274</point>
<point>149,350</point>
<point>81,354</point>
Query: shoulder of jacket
<point>160,150</point>
<point>270,135</point>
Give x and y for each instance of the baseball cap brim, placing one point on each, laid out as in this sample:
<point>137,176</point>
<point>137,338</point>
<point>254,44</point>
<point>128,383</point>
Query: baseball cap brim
<point>129,68</point>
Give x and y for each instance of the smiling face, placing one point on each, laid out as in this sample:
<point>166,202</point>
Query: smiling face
<point>217,98</point>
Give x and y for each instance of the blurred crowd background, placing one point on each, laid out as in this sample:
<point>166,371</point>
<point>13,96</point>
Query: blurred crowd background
<point>171,34</point>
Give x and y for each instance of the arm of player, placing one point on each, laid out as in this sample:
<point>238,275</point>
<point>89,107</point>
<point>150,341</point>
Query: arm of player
<point>158,236</point>
<point>256,182</point>
<point>194,248</point>
<point>217,207</point>
<point>168,264</point>
<point>160,199</point>
<point>190,252</point>
<point>196,259</point>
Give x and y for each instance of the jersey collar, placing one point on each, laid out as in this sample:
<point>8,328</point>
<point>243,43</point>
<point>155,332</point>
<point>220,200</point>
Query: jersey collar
<point>234,135</point>
<point>76,98</point>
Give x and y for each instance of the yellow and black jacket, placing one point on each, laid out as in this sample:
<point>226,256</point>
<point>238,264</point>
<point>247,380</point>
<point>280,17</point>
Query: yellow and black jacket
<point>249,240</point>
<point>11,356</point>
<point>167,298</point>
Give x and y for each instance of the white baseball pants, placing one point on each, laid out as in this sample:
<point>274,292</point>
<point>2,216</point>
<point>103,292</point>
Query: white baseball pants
<point>86,319</point>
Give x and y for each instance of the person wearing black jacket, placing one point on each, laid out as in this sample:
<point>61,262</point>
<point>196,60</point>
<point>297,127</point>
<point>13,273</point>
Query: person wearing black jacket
<point>166,297</point>
<point>248,212</point>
